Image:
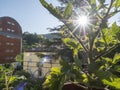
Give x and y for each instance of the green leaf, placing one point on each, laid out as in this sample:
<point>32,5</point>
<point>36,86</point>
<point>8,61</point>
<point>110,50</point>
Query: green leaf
<point>76,59</point>
<point>1,68</point>
<point>115,31</point>
<point>116,58</point>
<point>99,6</point>
<point>53,79</point>
<point>104,75</point>
<point>115,83</point>
<point>109,35</point>
<point>19,58</point>
<point>54,11</point>
<point>62,81</point>
<point>68,10</point>
<point>12,79</point>
<point>116,3</point>
<point>72,44</point>
<point>65,66</point>
<point>107,60</point>
<point>101,1</point>
<point>117,68</point>
<point>99,49</point>
<point>95,66</point>
<point>83,78</point>
<point>92,2</point>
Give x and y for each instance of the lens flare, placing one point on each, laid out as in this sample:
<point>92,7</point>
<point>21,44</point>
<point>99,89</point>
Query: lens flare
<point>83,20</point>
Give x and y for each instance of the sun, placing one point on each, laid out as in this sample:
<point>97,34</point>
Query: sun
<point>83,20</point>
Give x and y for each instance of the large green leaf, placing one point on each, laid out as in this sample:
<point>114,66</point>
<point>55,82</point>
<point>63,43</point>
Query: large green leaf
<point>68,10</point>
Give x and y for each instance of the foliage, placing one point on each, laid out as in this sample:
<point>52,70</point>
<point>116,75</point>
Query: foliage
<point>11,79</point>
<point>95,42</point>
<point>31,40</point>
<point>7,79</point>
<point>19,58</point>
<point>32,83</point>
<point>54,80</point>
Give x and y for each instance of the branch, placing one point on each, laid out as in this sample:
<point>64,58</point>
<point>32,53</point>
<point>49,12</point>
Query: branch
<point>108,9</point>
<point>103,21</point>
<point>106,52</point>
<point>79,40</point>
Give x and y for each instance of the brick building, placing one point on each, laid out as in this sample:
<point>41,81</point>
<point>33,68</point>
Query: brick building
<point>10,39</point>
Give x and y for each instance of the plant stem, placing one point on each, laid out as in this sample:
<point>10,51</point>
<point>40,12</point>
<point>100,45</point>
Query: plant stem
<point>107,51</point>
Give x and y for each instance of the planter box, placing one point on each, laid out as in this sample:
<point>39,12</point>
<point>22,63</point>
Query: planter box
<point>77,86</point>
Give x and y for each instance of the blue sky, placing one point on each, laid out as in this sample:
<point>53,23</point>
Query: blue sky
<point>31,15</point>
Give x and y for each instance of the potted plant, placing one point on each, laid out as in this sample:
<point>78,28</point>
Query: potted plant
<point>89,37</point>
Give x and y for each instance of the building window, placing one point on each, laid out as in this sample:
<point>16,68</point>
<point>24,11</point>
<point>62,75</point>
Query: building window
<point>8,36</point>
<point>7,43</point>
<point>8,29</point>
<point>7,58</point>
<point>7,50</point>
<point>12,30</point>
<point>12,50</point>
<point>0,29</point>
<point>11,57</point>
<point>12,44</point>
<point>10,23</point>
<point>13,24</point>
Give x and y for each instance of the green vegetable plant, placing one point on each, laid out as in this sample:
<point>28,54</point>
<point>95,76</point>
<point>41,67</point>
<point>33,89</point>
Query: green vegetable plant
<point>93,40</point>
<point>7,78</point>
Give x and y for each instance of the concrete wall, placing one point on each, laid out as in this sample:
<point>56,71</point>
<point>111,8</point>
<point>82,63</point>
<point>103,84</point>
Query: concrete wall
<point>33,64</point>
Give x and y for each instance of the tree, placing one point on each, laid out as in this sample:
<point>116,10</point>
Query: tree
<point>31,40</point>
<point>87,26</point>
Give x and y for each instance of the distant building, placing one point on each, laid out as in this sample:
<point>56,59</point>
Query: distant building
<point>39,61</point>
<point>10,39</point>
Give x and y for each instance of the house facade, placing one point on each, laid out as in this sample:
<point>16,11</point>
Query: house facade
<point>39,62</point>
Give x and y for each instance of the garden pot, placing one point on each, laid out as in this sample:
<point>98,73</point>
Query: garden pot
<point>73,86</point>
<point>77,86</point>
